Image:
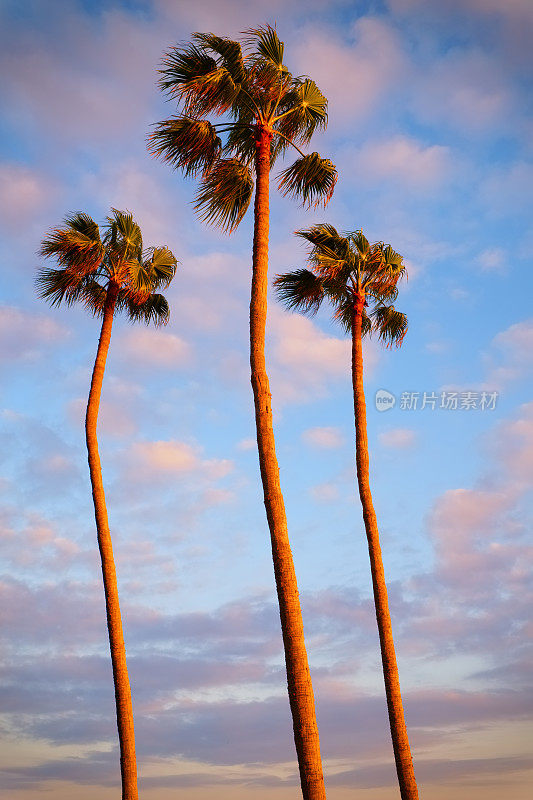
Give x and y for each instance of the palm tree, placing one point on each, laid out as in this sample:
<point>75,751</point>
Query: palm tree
<point>360,281</point>
<point>108,274</point>
<point>265,110</point>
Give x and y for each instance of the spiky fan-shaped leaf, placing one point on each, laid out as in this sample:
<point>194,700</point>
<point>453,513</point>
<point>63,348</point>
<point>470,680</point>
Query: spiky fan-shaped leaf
<point>311,179</point>
<point>76,246</point>
<point>230,52</point>
<point>389,325</point>
<point>154,309</point>
<point>300,290</point>
<point>329,252</point>
<point>188,144</point>
<point>268,45</point>
<point>199,82</point>
<point>225,193</point>
<point>123,234</point>
<point>163,265</point>
<point>182,67</point>
<point>59,286</point>
<point>302,111</point>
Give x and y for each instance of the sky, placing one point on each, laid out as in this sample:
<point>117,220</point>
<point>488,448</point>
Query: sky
<point>430,129</point>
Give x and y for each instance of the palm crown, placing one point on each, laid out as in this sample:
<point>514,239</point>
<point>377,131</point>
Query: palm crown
<point>90,264</point>
<point>212,76</point>
<point>345,269</point>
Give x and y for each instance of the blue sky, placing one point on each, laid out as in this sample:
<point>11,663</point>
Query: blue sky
<point>430,128</point>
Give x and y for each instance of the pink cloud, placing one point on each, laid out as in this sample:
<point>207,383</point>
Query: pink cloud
<point>506,188</point>
<point>398,438</point>
<point>24,335</point>
<point>513,444</point>
<point>147,347</point>
<point>23,195</point>
<point>510,356</point>
<point>323,438</point>
<point>325,493</point>
<point>492,260</point>
<point>406,160</point>
<point>173,457</point>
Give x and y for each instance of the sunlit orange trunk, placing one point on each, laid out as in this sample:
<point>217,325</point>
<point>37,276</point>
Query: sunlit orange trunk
<point>301,697</point>
<point>128,765</point>
<point>400,741</point>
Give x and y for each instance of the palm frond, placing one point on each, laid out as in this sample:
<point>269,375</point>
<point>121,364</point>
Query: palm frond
<point>214,93</point>
<point>382,291</point>
<point>77,246</point>
<point>182,66</point>
<point>224,194</point>
<point>188,144</point>
<point>162,264</point>
<point>85,225</point>
<point>59,286</point>
<point>123,232</point>
<point>93,296</point>
<point>229,50</point>
<point>330,253</point>
<point>392,257</point>
<point>240,141</point>
<point>195,79</point>
<point>382,269</point>
<point>267,45</point>
<point>311,179</point>
<point>300,290</point>
<point>360,241</point>
<point>326,238</point>
<point>389,325</point>
<point>343,314</point>
<point>305,110</point>
<point>154,309</point>
<point>266,84</point>
<point>139,280</point>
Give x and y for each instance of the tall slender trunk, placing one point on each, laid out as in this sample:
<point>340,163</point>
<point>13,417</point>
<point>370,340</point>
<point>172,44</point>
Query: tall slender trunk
<point>126,734</point>
<point>300,689</point>
<point>400,741</point>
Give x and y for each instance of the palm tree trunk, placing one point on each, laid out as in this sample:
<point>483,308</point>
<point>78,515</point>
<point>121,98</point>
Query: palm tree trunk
<point>400,741</point>
<point>300,689</point>
<point>128,765</point>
